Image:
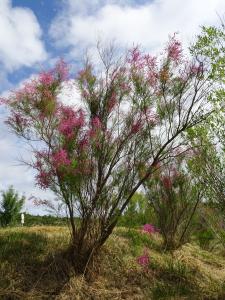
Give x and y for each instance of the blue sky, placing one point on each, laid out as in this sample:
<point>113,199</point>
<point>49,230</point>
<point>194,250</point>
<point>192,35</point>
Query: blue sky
<point>34,33</point>
<point>44,12</point>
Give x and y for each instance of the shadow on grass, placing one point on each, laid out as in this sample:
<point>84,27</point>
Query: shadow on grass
<point>28,266</point>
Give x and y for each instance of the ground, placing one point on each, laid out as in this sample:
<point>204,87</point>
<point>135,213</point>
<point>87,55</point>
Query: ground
<point>33,265</point>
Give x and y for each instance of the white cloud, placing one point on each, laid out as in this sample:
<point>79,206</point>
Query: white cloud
<point>20,37</point>
<point>70,94</point>
<point>12,172</point>
<point>83,22</point>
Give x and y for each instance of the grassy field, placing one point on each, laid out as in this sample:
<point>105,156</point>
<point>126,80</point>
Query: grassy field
<point>33,265</point>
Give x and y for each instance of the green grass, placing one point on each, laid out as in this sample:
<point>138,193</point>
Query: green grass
<point>33,265</point>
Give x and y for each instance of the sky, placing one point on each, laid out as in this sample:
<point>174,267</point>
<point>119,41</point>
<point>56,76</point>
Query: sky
<point>35,33</point>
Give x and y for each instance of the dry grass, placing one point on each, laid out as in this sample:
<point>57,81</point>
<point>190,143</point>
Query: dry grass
<point>33,265</point>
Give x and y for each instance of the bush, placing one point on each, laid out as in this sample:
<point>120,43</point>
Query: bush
<point>10,207</point>
<point>174,198</point>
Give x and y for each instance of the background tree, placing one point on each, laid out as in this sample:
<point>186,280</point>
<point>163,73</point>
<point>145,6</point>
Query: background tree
<point>138,212</point>
<point>10,207</point>
<point>95,157</point>
<point>209,165</point>
<point>175,198</point>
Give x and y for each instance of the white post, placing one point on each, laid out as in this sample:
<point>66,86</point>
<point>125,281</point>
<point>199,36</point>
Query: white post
<point>22,219</point>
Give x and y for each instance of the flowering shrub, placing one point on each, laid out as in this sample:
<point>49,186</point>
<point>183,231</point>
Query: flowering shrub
<point>149,228</point>
<point>175,198</point>
<point>144,259</point>
<point>95,157</point>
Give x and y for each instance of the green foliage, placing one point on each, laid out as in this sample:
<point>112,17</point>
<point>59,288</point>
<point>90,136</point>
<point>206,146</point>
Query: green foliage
<point>138,212</point>
<point>173,280</point>
<point>138,240</point>
<point>174,197</point>
<point>11,206</point>
<point>214,226</point>
<point>210,44</point>
<point>208,165</point>
<point>204,237</point>
<point>31,220</point>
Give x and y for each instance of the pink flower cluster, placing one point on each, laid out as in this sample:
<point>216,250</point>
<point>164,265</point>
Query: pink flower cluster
<point>145,65</point>
<point>152,72</point>
<point>39,202</point>
<point>96,123</point>
<point>135,57</point>
<point>17,119</point>
<point>30,88</point>
<point>46,78</point>
<point>140,61</point>
<point>169,178</point>
<point>136,126</point>
<point>149,228</point>
<point>167,182</point>
<point>43,179</point>
<point>144,259</point>
<point>84,142</point>
<point>174,50</point>
<point>152,117</point>
<point>112,102</point>
<point>62,70</point>
<point>70,121</point>
<point>60,158</point>
<point>196,69</point>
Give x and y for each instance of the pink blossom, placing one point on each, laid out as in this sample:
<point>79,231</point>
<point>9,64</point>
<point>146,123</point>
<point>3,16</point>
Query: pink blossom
<point>91,133</point>
<point>152,78</point>
<point>150,61</point>
<point>47,94</point>
<point>167,182</point>
<point>151,116</point>
<point>96,123</point>
<point>85,167</point>
<point>84,142</point>
<point>174,173</point>
<point>38,165</point>
<point>125,87</point>
<point>174,49</point>
<point>112,102</point>
<point>43,179</point>
<point>71,120</point>
<point>30,88</point>
<point>149,228</point>
<point>152,75</point>
<point>196,69</point>
<point>143,260</point>
<point>85,94</point>
<point>136,126</point>
<point>46,78</point>
<point>82,73</point>
<point>135,55</point>
<point>39,202</point>
<point>18,120</point>
<point>3,101</point>
<point>60,158</point>
<point>62,69</point>
<point>136,58</point>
